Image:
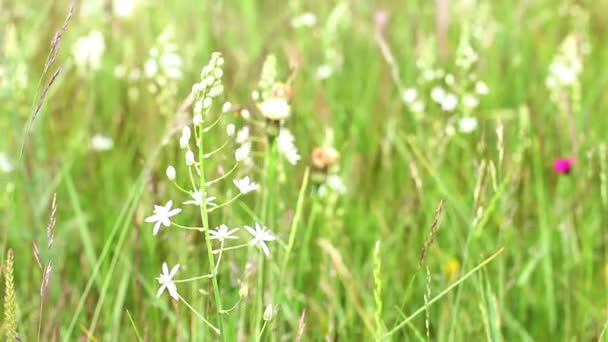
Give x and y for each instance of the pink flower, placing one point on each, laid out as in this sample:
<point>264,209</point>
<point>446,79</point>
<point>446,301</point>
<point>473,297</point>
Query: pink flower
<point>563,165</point>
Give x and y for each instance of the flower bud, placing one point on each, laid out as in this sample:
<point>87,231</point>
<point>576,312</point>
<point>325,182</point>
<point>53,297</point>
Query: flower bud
<point>171,173</point>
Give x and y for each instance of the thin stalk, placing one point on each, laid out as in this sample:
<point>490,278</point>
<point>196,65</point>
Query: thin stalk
<point>205,216</point>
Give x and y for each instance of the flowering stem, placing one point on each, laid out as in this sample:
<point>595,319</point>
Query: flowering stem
<point>207,155</point>
<point>208,128</point>
<point>233,307</point>
<point>216,330</point>
<point>204,215</point>
<point>223,176</point>
<point>200,229</point>
<point>226,203</point>
<point>206,276</point>
<point>230,248</point>
<point>180,188</point>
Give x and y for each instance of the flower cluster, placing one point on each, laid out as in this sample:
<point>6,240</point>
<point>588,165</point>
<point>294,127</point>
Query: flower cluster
<point>459,92</point>
<point>87,52</point>
<point>566,67</point>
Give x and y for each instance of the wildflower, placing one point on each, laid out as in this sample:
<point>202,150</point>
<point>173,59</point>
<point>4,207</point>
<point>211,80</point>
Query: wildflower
<point>260,235</point>
<point>335,183</point>
<point>222,233</point>
<point>438,94</point>
<point>467,125</point>
<point>162,215</point>
<point>226,107</point>
<point>563,165</point>
<point>324,158</point>
<point>87,51</point>
<point>101,143</point>
<point>418,107</point>
<point>230,129</point>
<point>285,142</point>
<point>171,173</point>
<point>268,312</point>
<point>184,140</point>
<point>165,279</point>
<point>245,185</point>
<point>5,164</point>
<point>275,109</point>
<point>470,101</point>
<point>245,114</point>
<point>197,119</point>
<point>242,152</point>
<point>409,95</point>
<point>242,135</point>
<point>449,102</point>
<point>304,20</point>
<point>124,8</point>
<point>451,269</point>
<point>481,88</point>
<point>323,72</point>
<point>189,158</point>
<point>197,199</point>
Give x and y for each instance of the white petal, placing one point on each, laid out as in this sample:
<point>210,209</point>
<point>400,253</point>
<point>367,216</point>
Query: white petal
<point>174,271</point>
<point>160,290</point>
<point>156,228</point>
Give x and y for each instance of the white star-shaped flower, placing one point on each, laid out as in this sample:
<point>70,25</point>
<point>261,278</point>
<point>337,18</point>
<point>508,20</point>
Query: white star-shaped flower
<point>222,233</point>
<point>197,199</point>
<point>242,153</point>
<point>275,109</point>
<point>166,281</point>
<point>162,215</point>
<point>261,234</point>
<point>245,185</point>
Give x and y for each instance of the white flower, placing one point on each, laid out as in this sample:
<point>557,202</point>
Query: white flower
<point>189,158</point>
<point>470,101</point>
<point>335,183</point>
<point>87,51</point>
<point>242,152</point>
<point>226,107</point>
<point>449,103</point>
<point>5,164</point>
<point>151,68</point>
<point>323,72</point>
<point>124,8</point>
<point>230,129</point>
<point>166,281</point>
<point>101,143</point>
<point>275,109</point>
<point>449,79</point>
<point>438,94</point>
<point>198,107</point>
<point>261,234</point>
<point>184,140</point>
<point>409,95</point>
<point>467,125</point>
<point>481,88</point>
<point>162,215</point>
<point>242,135</point>
<point>222,233</point>
<point>245,185</point>
<point>197,199</point>
<point>171,63</point>
<point>268,312</point>
<point>304,20</point>
<point>246,114</point>
<point>418,107</point>
<point>285,143</point>
<point>171,173</point>
<point>197,120</point>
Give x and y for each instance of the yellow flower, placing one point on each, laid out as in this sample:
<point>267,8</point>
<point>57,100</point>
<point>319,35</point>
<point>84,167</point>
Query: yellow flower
<point>451,269</point>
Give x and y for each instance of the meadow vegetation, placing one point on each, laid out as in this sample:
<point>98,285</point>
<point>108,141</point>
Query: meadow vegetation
<point>297,170</point>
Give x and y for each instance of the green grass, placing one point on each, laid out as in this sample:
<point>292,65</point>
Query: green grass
<point>531,244</point>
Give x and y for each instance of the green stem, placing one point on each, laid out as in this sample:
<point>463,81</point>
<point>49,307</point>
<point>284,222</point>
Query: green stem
<point>205,216</point>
